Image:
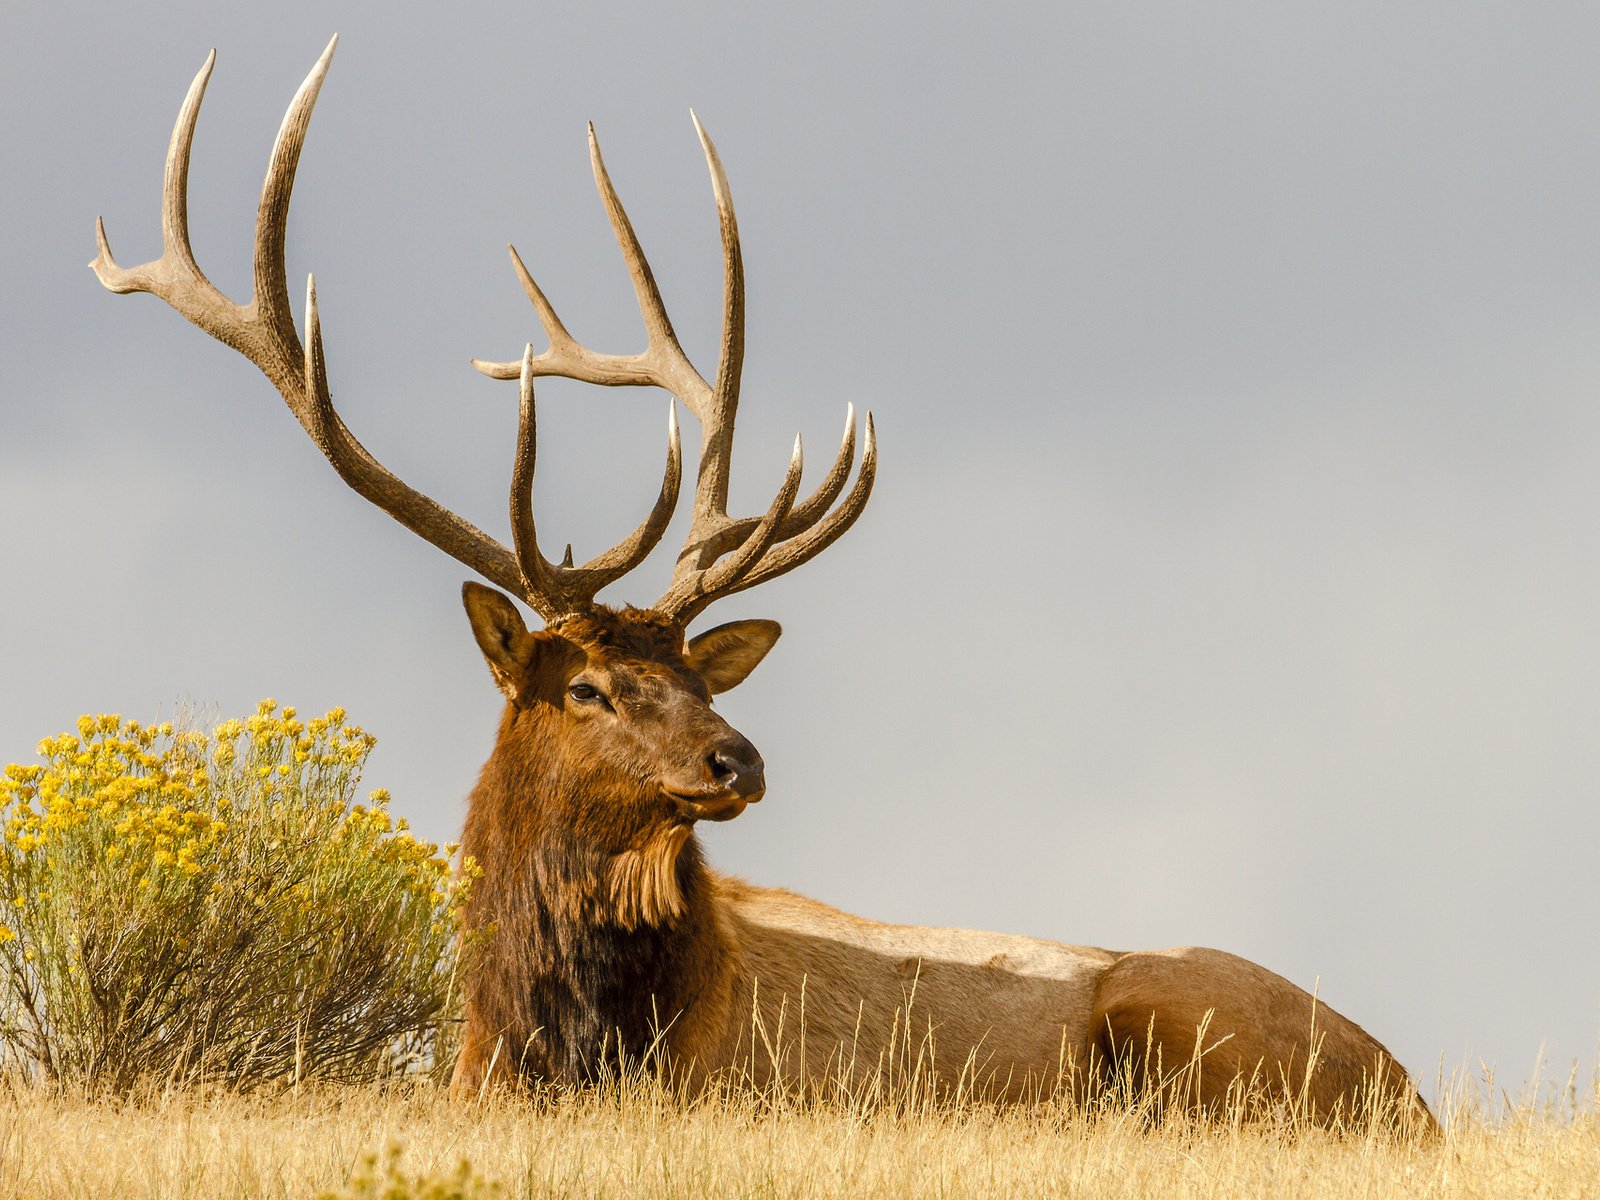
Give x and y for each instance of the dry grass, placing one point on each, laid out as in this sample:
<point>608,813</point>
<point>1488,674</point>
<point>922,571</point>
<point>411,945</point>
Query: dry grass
<point>636,1142</point>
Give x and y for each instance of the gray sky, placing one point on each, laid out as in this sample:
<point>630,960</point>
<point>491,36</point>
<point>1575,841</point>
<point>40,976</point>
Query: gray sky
<point>1232,574</point>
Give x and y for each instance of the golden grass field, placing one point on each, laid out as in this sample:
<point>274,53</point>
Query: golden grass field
<point>637,1142</point>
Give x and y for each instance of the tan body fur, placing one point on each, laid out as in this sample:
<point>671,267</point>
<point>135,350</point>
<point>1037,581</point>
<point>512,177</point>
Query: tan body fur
<point>804,993</point>
<point>993,1013</point>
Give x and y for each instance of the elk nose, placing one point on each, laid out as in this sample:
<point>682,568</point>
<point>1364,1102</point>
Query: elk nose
<point>739,768</point>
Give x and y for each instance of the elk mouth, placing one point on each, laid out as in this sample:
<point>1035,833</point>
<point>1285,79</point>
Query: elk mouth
<point>711,804</point>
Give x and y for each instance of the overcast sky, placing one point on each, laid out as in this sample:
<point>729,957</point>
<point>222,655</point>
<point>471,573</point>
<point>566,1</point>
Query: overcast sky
<point>1233,575</point>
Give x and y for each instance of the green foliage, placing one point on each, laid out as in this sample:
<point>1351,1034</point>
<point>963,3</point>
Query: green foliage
<point>184,907</point>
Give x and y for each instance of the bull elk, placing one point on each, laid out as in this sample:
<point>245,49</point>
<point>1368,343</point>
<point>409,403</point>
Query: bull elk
<point>608,937</point>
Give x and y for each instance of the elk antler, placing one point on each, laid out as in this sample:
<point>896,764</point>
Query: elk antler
<point>264,332</point>
<point>722,554</point>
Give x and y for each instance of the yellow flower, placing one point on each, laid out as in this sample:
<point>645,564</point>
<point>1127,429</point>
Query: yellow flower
<point>6,935</point>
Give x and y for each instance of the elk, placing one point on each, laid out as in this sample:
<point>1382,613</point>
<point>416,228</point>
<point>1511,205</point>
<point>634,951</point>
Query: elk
<point>607,937</point>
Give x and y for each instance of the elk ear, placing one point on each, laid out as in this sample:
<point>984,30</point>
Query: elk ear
<point>503,638</point>
<point>725,655</point>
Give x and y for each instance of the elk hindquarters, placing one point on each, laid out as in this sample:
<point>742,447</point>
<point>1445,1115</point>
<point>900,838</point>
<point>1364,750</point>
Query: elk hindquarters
<point>1209,1032</point>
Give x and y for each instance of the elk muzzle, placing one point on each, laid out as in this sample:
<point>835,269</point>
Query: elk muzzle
<point>735,777</point>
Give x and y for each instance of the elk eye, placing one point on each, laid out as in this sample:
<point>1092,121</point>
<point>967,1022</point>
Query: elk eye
<point>584,693</point>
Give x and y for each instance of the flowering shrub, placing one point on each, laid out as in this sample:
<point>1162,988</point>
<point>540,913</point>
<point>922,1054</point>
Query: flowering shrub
<point>191,907</point>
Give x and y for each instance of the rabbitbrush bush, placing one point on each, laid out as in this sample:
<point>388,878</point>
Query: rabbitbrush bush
<point>184,907</point>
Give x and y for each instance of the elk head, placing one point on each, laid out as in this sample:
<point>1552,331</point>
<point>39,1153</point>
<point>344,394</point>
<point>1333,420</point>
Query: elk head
<point>608,708</point>
<point>615,711</point>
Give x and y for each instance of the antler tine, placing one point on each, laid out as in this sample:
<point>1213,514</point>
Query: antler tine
<point>175,277</point>
<point>663,351</point>
<point>633,550</point>
<point>711,500</point>
<point>271,298</point>
<point>569,359</point>
<point>264,330</point>
<point>807,512</point>
<point>541,582</point>
<point>558,591</point>
<point>787,555</point>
